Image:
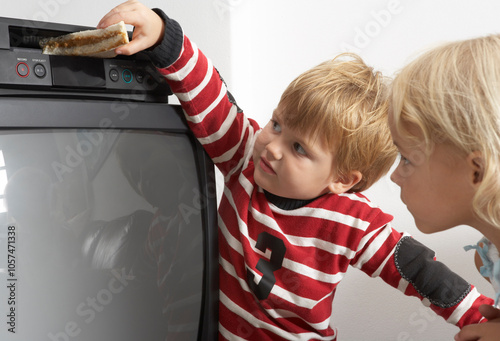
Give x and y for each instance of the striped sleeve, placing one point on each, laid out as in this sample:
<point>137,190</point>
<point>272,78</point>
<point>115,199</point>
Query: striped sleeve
<point>213,116</point>
<point>412,268</point>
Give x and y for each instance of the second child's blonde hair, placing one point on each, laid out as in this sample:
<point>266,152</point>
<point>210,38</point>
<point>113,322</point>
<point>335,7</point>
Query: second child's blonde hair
<point>344,103</point>
<point>451,94</point>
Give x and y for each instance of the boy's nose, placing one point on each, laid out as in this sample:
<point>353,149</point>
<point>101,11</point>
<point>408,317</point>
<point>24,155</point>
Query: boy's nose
<point>274,151</point>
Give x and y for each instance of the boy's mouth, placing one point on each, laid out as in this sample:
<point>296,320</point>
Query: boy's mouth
<point>266,166</point>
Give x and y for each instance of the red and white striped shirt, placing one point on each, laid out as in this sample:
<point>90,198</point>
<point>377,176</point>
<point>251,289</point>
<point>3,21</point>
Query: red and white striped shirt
<point>279,268</point>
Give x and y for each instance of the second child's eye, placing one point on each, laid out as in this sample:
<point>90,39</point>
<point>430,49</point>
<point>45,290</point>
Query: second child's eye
<point>299,149</point>
<point>403,160</point>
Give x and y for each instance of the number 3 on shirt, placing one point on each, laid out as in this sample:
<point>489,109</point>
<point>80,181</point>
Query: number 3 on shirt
<point>267,267</point>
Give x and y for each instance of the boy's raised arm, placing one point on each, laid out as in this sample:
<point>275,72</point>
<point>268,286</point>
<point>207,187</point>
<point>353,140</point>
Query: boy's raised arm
<point>148,26</point>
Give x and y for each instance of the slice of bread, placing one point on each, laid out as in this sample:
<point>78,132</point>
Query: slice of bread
<point>99,43</point>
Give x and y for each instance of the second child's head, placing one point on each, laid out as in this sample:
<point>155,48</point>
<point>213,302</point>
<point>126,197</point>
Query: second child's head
<point>445,119</point>
<point>328,133</point>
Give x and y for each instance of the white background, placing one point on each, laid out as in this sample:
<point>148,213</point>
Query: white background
<point>260,46</point>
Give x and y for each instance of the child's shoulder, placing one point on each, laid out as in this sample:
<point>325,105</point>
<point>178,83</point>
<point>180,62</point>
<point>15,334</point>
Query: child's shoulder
<point>356,205</point>
<point>349,209</point>
<point>357,199</point>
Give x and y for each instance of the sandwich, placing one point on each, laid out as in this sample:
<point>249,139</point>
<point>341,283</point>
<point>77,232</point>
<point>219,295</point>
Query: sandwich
<point>99,43</point>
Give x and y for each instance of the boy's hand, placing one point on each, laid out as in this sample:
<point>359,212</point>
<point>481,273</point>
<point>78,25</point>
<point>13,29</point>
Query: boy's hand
<point>149,27</point>
<point>488,331</point>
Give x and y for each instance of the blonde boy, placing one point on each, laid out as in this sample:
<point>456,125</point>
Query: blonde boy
<point>445,120</point>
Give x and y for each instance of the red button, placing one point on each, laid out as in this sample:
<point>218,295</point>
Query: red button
<point>22,69</point>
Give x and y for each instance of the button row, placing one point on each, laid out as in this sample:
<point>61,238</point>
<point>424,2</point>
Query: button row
<point>23,70</point>
<point>126,76</point>
<point>39,70</point>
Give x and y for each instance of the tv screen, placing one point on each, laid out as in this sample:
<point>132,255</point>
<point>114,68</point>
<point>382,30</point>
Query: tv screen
<point>107,223</point>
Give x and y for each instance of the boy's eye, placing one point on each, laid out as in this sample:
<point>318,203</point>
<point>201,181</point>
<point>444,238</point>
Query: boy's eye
<point>299,149</point>
<point>276,126</point>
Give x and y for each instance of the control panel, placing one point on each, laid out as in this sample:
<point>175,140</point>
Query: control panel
<point>33,69</point>
<point>23,67</point>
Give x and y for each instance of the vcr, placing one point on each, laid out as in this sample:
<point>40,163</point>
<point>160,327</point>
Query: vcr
<point>23,66</point>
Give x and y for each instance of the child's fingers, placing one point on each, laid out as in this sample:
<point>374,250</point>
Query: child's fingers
<point>148,25</point>
<point>134,46</point>
<point>489,312</point>
<point>113,18</point>
<point>487,331</point>
<point>107,18</point>
<point>125,11</point>
<point>129,17</point>
<point>468,333</point>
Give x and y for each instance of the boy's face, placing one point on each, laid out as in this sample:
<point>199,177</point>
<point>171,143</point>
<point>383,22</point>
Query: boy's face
<point>437,188</point>
<point>291,164</point>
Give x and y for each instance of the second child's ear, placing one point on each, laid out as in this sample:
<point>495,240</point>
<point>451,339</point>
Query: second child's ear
<point>343,184</point>
<point>475,161</point>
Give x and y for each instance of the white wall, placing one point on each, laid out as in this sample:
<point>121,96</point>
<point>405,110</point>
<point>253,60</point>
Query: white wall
<point>260,46</point>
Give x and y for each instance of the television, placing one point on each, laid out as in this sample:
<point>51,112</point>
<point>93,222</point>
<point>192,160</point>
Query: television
<point>107,202</point>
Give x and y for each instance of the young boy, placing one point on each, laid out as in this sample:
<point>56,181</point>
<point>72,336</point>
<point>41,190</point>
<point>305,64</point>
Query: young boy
<point>291,219</point>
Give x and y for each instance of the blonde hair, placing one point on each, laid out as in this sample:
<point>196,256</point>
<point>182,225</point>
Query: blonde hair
<point>451,94</point>
<point>344,103</point>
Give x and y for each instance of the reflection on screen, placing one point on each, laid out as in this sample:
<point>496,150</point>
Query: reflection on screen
<point>100,236</point>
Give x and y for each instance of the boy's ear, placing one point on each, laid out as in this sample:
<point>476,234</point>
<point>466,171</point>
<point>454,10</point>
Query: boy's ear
<point>476,163</point>
<point>343,184</point>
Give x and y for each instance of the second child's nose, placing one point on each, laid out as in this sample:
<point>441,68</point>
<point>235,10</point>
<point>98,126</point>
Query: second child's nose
<point>395,176</point>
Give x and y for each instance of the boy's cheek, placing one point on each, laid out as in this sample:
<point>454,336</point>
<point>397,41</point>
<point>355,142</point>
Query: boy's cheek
<point>260,144</point>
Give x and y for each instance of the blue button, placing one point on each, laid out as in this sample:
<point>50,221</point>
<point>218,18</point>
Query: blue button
<point>127,76</point>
